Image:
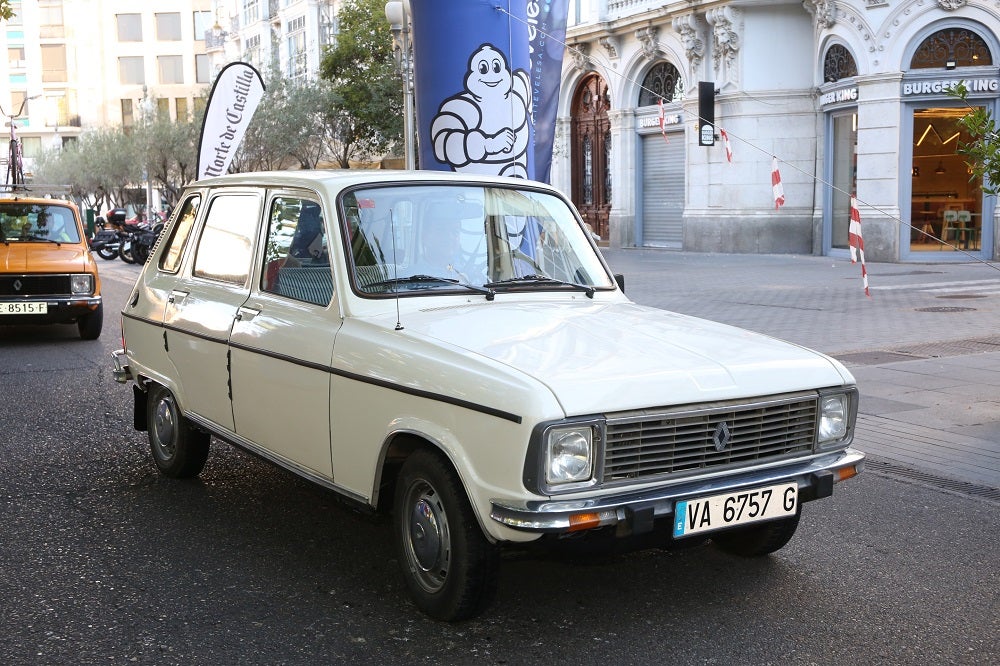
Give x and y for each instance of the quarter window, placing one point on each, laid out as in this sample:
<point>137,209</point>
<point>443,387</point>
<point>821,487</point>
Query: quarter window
<point>226,242</point>
<point>174,248</point>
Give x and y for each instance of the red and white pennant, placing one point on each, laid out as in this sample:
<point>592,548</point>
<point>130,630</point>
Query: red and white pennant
<point>663,120</point>
<point>725,142</point>
<point>776,188</point>
<point>857,243</point>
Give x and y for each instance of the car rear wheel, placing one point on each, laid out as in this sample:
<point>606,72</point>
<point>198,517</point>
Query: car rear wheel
<point>758,540</point>
<point>179,449</point>
<point>90,325</point>
<point>448,564</point>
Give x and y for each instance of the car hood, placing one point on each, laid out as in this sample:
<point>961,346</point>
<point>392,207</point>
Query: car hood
<point>20,257</point>
<point>619,356</point>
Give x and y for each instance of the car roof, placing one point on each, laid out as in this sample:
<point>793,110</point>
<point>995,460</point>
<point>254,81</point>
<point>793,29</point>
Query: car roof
<point>337,179</point>
<point>40,201</point>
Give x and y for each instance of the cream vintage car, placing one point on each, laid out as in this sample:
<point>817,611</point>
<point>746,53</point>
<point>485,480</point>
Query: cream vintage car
<point>454,350</point>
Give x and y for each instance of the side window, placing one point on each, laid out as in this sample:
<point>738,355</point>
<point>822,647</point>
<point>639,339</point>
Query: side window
<point>170,260</point>
<point>296,263</point>
<point>226,244</point>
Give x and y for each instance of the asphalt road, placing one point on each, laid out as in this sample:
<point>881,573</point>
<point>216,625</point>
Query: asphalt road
<point>103,561</point>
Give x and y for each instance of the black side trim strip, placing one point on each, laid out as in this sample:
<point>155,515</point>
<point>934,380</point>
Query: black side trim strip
<point>458,402</point>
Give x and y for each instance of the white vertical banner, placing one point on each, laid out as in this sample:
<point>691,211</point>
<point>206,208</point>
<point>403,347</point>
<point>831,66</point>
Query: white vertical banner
<point>235,95</point>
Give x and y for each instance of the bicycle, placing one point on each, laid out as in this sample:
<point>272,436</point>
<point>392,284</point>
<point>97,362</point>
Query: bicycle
<point>15,155</point>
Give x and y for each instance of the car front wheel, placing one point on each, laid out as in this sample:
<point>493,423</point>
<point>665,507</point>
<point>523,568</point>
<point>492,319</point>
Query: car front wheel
<point>758,540</point>
<point>90,325</point>
<point>179,449</point>
<point>448,564</point>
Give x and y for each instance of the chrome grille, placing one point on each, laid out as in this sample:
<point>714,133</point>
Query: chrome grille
<point>651,443</point>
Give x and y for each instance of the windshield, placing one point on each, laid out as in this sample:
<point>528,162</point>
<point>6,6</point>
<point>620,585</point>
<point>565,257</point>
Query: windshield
<point>37,223</point>
<point>408,240</point>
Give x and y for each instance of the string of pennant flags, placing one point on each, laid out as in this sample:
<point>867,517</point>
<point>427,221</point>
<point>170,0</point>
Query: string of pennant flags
<point>855,241</point>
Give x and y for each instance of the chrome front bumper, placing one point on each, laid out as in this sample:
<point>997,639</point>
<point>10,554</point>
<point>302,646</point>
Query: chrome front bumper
<point>638,509</point>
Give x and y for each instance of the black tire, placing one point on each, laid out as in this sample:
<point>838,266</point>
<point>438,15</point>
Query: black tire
<point>179,449</point>
<point>140,252</point>
<point>108,253</point>
<point>90,325</point>
<point>449,566</point>
<point>125,253</point>
<point>758,540</point>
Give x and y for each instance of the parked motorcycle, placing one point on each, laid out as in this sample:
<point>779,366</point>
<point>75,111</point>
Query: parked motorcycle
<point>107,241</point>
<point>131,240</point>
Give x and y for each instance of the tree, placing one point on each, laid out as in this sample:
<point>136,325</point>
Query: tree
<point>6,11</point>
<point>983,152</point>
<point>168,153</point>
<point>100,168</point>
<point>365,114</point>
<point>274,131</point>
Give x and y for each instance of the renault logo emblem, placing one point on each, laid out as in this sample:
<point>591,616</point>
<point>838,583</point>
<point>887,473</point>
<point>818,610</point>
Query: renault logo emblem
<point>721,437</point>
<point>17,285</point>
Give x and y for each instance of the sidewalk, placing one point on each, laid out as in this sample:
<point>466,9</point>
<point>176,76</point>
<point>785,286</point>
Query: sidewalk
<point>925,348</point>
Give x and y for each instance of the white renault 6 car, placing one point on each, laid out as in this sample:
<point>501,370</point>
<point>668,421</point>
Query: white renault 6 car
<point>454,350</point>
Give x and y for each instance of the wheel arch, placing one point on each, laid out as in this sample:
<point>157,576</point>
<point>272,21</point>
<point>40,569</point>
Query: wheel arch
<point>397,448</point>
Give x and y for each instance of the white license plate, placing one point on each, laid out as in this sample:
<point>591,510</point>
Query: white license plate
<point>23,308</point>
<point>738,508</point>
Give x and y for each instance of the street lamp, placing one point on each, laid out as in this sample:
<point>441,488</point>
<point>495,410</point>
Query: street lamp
<point>397,15</point>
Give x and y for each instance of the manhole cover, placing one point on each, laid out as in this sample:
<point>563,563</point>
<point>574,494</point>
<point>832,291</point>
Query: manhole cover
<point>943,308</point>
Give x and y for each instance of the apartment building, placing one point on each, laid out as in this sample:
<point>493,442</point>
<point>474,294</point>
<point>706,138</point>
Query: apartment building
<point>74,65</point>
<point>79,64</point>
<point>286,37</point>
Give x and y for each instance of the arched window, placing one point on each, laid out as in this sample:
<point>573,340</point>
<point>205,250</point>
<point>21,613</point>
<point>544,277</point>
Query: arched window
<point>662,81</point>
<point>951,48</point>
<point>838,64</point>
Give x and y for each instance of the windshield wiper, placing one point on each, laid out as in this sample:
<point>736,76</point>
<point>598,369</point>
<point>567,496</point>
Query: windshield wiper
<point>542,280</point>
<point>44,240</point>
<point>422,279</point>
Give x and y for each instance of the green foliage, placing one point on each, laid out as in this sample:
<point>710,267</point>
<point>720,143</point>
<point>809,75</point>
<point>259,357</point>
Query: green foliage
<point>366,96</point>
<point>6,12</point>
<point>109,166</point>
<point>983,152</point>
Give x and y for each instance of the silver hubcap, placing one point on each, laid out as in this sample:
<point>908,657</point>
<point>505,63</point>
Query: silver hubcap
<point>163,426</point>
<point>427,539</point>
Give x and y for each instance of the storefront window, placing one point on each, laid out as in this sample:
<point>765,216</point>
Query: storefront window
<point>844,175</point>
<point>946,202</point>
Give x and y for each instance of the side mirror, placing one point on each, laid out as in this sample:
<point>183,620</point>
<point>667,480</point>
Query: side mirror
<point>620,279</point>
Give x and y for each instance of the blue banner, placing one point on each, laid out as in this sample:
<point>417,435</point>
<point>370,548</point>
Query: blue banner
<point>486,73</point>
<point>547,43</point>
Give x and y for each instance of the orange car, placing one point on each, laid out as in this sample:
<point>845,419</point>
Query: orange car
<point>47,273</point>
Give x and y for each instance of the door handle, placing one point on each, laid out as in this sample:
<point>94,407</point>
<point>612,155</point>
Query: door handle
<point>246,314</point>
<point>176,296</point>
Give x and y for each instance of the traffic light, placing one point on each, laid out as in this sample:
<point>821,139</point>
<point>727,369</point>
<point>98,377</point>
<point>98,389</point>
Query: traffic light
<point>706,113</point>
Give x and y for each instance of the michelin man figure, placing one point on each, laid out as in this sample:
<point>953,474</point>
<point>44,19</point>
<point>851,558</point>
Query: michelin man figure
<point>484,129</point>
